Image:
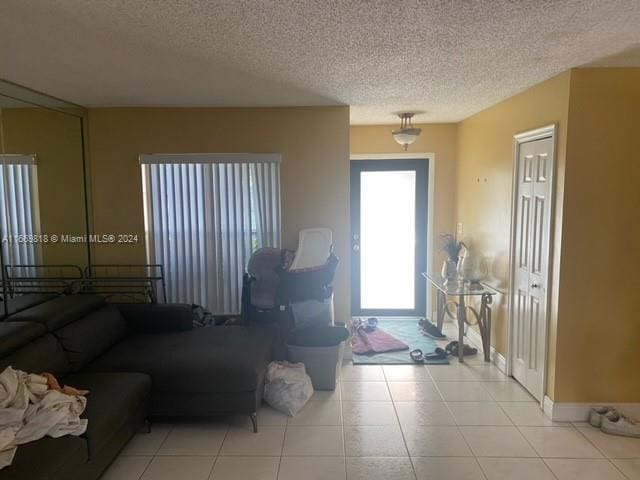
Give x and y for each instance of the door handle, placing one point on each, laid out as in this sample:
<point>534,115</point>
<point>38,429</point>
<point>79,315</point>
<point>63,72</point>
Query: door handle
<point>535,285</point>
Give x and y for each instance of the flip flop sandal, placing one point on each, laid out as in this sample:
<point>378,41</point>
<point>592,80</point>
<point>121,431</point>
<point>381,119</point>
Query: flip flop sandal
<point>438,354</point>
<point>452,348</point>
<point>468,350</point>
<point>417,356</point>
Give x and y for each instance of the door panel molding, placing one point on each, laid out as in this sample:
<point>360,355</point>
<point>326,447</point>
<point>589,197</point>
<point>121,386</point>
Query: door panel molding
<point>540,169</point>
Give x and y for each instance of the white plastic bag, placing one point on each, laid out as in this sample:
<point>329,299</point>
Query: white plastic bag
<point>287,387</point>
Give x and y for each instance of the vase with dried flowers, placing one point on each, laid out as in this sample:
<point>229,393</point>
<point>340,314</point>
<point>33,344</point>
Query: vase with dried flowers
<point>452,247</point>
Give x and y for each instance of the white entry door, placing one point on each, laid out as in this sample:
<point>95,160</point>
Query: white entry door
<point>531,263</point>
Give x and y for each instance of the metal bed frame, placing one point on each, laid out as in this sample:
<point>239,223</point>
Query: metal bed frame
<point>111,280</point>
<point>26,279</point>
<point>127,280</point>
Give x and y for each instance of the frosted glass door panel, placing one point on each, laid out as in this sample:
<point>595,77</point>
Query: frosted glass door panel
<point>387,239</point>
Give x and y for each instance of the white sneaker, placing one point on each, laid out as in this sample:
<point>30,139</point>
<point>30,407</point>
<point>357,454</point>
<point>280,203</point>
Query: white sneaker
<point>596,415</point>
<point>614,423</point>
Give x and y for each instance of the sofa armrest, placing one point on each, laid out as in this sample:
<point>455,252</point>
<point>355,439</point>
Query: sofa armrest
<point>157,317</point>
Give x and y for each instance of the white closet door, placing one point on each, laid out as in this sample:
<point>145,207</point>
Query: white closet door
<point>531,263</point>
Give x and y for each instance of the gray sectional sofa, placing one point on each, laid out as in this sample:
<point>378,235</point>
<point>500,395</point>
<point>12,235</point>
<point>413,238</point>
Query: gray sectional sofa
<point>138,361</point>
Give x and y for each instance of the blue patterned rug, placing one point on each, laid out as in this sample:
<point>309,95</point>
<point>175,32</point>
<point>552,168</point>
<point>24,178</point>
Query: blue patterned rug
<point>406,330</point>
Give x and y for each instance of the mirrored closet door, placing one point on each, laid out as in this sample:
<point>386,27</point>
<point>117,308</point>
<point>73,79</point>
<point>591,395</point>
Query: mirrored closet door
<point>43,207</point>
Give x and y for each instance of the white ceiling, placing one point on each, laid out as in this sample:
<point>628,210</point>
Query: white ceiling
<point>448,59</point>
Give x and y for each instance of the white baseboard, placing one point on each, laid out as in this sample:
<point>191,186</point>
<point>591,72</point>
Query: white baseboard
<point>579,412</point>
<point>496,357</point>
<point>499,361</point>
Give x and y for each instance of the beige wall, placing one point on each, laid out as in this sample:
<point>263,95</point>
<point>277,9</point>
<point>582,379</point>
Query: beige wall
<point>314,143</point>
<point>599,330</point>
<point>56,139</point>
<point>484,186</point>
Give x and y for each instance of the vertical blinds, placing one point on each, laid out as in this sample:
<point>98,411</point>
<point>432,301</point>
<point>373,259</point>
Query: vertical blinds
<point>204,217</point>
<point>19,212</point>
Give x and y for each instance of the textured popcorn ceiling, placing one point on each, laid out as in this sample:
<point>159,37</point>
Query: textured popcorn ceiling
<point>448,59</point>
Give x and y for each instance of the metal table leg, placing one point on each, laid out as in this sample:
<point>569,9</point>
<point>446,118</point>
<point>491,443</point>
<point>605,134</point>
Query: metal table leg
<point>442,299</point>
<point>461,316</point>
<point>484,324</point>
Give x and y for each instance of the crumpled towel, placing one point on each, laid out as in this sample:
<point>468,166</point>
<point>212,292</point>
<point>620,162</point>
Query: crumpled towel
<point>377,341</point>
<point>30,410</point>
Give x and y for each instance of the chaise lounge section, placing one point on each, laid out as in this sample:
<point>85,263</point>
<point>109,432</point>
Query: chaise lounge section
<point>138,361</point>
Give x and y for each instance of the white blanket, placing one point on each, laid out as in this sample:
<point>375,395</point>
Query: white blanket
<point>29,410</point>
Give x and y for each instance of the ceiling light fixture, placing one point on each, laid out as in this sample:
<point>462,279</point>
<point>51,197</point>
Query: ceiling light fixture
<point>407,133</point>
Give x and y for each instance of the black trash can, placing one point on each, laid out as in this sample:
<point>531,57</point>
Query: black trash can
<point>321,349</point>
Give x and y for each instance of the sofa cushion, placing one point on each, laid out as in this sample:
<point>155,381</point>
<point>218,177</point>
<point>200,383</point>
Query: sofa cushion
<point>60,311</point>
<point>44,354</point>
<point>85,339</point>
<point>113,400</point>
<point>22,302</point>
<point>14,335</point>
<point>48,459</point>
<point>157,317</point>
<point>210,359</point>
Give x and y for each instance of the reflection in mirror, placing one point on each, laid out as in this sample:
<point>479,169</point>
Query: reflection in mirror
<point>43,218</point>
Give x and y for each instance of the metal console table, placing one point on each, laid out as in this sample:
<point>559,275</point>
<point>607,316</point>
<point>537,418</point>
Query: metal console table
<point>462,290</point>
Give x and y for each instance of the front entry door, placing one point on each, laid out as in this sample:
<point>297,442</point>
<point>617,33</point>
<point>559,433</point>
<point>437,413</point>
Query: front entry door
<point>531,262</point>
<point>388,237</point>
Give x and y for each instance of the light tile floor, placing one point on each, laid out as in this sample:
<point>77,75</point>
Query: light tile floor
<point>445,422</point>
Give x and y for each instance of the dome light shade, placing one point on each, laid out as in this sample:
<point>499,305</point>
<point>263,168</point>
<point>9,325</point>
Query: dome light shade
<point>407,133</point>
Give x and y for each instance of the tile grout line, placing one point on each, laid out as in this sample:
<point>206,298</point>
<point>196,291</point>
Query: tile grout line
<point>284,439</point>
<point>446,404</point>
<point>404,440</point>
<point>155,454</point>
<point>605,456</point>
<point>145,467</point>
<point>344,437</point>
<point>528,442</point>
<point>618,468</point>
<point>219,450</point>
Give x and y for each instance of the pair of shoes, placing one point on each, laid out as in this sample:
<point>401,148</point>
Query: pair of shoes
<point>615,423</point>
<point>596,415</point>
<point>369,325</point>
<point>430,330</point>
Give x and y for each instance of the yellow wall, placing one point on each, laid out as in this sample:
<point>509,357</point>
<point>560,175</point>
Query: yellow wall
<point>484,185</point>
<point>599,330</point>
<point>593,328</point>
<point>314,143</point>
<point>595,254</point>
<point>56,139</point>
<point>439,139</point>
